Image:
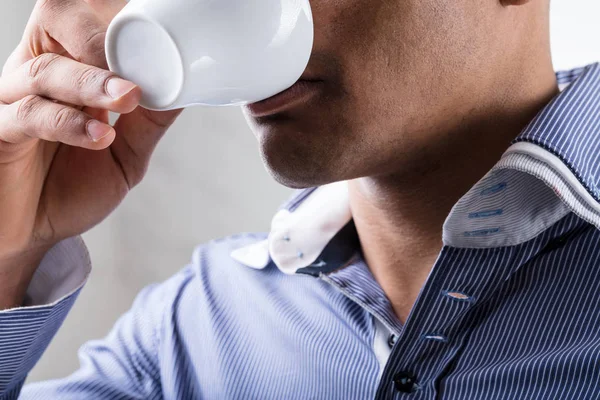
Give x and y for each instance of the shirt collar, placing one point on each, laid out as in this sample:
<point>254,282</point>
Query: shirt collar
<point>569,127</point>
<point>551,169</point>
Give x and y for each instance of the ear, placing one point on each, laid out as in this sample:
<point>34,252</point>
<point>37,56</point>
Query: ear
<point>507,3</point>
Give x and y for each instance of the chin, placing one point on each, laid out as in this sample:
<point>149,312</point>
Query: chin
<point>296,159</point>
<point>292,167</point>
<point>305,146</point>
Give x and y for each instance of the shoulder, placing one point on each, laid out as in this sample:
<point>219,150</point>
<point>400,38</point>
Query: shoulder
<point>214,282</point>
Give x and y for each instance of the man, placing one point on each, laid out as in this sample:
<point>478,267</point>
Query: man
<point>434,259</point>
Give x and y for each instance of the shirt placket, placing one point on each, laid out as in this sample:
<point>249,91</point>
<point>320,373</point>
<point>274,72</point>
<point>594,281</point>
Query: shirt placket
<point>435,332</point>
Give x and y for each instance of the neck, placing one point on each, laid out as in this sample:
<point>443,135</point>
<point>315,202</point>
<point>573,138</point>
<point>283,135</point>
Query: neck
<point>399,216</point>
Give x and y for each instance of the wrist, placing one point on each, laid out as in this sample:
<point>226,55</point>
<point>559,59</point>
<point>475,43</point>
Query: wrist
<point>16,272</point>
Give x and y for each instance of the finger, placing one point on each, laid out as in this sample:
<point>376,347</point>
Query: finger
<point>97,113</point>
<point>138,134</point>
<point>35,117</point>
<point>69,81</point>
<point>20,55</point>
<point>74,25</point>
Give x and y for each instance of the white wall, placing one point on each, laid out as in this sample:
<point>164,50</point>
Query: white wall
<point>206,181</point>
<point>575,32</point>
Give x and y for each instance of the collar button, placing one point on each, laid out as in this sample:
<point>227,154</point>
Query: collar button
<point>392,339</point>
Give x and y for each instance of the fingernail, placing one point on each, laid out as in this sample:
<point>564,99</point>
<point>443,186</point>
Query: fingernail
<point>97,130</point>
<point>117,87</point>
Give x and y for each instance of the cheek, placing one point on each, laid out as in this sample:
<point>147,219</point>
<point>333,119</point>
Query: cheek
<point>359,34</point>
<point>401,58</point>
<point>344,25</point>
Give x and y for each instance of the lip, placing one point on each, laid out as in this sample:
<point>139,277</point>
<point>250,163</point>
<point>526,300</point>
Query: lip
<point>297,94</point>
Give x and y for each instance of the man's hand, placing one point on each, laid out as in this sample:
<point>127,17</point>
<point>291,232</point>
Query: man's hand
<point>63,169</point>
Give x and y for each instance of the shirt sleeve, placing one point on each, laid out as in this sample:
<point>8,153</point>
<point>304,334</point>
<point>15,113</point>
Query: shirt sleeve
<point>25,332</point>
<point>124,365</point>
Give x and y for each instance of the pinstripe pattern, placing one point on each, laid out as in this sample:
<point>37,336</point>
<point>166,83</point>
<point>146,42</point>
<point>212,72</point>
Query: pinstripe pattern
<point>510,310</point>
<point>483,219</point>
<point>570,128</point>
<point>531,331</point>
<point>20,341</point>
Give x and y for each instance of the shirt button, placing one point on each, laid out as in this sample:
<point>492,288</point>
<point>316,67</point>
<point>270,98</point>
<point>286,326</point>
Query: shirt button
<point>392,339</point>
<point>405,382</point>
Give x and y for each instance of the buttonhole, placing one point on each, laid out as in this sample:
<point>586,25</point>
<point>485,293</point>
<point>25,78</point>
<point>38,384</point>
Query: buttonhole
<point>494,189</point>
<point>435,338</point>
<point>460,296</point>
<point>482,232</point>
<point>485,214</point>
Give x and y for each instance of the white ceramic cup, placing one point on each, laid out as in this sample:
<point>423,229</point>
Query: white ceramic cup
<point>211,52</point>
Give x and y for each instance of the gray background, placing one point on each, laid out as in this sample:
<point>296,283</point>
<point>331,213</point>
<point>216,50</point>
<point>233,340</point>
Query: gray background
<point>206,181</point>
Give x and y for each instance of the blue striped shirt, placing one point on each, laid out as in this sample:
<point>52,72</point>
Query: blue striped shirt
<point>511,309</point>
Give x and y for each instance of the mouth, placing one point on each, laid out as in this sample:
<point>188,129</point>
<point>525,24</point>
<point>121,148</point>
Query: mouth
<point>298,94</point>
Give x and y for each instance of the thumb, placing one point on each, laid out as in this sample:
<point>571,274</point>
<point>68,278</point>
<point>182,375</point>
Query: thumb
<point>138,133</point>
<point>18,57</point>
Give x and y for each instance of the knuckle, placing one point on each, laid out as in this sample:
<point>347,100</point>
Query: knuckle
<point>28,107</point>
<point>88,77</point>
<point>39,67</point>
<point>65,119</point>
